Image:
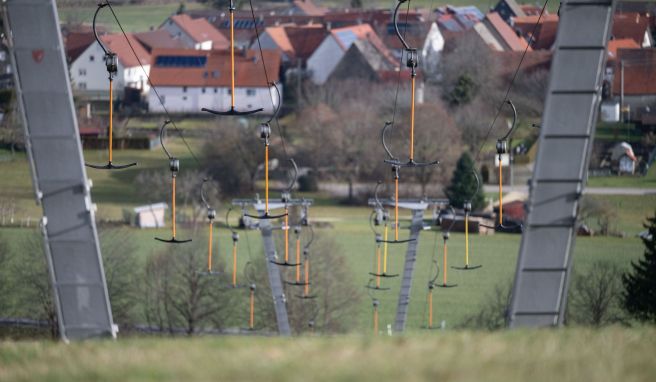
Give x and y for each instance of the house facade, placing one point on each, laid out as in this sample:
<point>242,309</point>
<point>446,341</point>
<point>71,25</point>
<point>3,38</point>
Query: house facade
<point>89,74</point>
<point>195,33</point>
<point>189,80</point>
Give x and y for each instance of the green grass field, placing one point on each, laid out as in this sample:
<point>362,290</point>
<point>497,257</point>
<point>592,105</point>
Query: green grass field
<point>610,354</point>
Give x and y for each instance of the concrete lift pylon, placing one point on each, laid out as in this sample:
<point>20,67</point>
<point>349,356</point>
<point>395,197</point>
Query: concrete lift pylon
<point>54,152</point>
<point>273,270</point>
<point>417,206</point>
<point>539,295</point>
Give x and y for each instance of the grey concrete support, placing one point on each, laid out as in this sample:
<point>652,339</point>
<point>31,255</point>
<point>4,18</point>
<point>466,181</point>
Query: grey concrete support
<point>539,294</point>
<point>69,231</point>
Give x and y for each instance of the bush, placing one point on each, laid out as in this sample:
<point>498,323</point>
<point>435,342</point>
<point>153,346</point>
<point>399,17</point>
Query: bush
<point>308,182</point>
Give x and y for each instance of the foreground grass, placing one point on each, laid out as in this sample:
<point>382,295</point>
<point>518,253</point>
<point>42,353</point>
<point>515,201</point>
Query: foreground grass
<point>610,354</point>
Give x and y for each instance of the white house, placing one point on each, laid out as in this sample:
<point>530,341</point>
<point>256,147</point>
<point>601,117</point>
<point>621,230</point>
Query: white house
<point>150,216</point>
<point>195,33</point>
<point>330,52</point>
<point>89,74</point>
<point>189,80</point>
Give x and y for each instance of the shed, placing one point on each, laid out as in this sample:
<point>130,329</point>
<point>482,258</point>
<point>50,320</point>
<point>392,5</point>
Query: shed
<point>150,216</point>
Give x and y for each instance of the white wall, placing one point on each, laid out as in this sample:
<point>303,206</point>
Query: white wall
<point>324,60</point>
<point>91,74</point>
<point>177,100</point>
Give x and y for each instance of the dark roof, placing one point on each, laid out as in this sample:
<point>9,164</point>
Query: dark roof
<point>158,39</point>
<point>76,43</point>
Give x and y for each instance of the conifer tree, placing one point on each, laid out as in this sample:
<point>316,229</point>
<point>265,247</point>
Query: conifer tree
<point>640,283</point>
<point>463,186</point>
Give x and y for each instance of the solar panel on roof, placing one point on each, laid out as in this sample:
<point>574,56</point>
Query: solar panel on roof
<point>181,61</point>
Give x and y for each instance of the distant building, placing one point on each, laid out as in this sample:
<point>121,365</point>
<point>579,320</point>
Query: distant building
<point>458,19</point>
<point>425,36</point>
<point>306,8</point>
<point>150,216</point>
<point>195,33</point>
<point>507,9</point>
<point>637,86</point>
<point>294,43</point>
<point>499,36</point>
<point>158,39</point>
<point>188,80</point>
<point>330,52</point>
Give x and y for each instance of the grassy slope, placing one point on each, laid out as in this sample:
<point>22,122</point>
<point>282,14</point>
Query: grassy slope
<point>609,354</point>
<point>647,181</point>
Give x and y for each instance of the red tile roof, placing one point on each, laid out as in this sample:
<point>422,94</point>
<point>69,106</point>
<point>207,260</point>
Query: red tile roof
<point>201,30</point>
<point>545,33</point>
<point>159,38</point>
<point>305,39</point>
<point>362,32</point>
<point>639,72</point>
<point>630,25</point>
<point>309,8</point>
<point>216,72</point>
<point>76,43</point>
<point>116,43</point>
<point>625,43</point>
<point>510,38</point>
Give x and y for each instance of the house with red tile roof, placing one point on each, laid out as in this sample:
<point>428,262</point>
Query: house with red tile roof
<point>545,31</point>
<point>634,26</point>
<point>331,50</point>
<point>89,74</point>
<point>635,81</point>
<point>616,44</point>
<point>188,80</point>
<point>158,39</point>
<point>295,43</point>
<point>499,35</point>
<point>195,33</point>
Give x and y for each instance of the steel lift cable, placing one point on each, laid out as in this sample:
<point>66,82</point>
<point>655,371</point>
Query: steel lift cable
<point>111,63</point>
<point>152,85</point>
<point>174,166</point>
<point>375,303</point>
<point>395,171</point>
<point>412,63</point>
<point>306,262</point>
<point>297,281</point>
<point>233,110</point>
<point>377,255</point>
<point>385,240</point>
<point>445,251</point>
<point>211,215</point>
<point>467,208</point>
<point>265,135</point>
<point>286,197</point>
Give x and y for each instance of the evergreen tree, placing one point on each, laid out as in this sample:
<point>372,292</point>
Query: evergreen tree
<point>356,3</point>
<point>640,283</point>
<point>463,185</point>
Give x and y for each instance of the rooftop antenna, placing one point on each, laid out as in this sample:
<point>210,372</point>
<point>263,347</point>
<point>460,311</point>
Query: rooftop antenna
<point>174,167</point>
<point>233,110</point>
<point>111,63</point>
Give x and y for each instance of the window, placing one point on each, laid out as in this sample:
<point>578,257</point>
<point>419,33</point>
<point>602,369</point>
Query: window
<point>82,72</point>
<point>216,90</point>
<point>205,74</point>
<point>203,90</point>
<point>184,89</point>
<point>91,58</point>
<point>163,99</point>
<point>184,98</point>
<point>215,73</point>
<point>82,85</point>
<point>250,92</point>
<point>229,91</point>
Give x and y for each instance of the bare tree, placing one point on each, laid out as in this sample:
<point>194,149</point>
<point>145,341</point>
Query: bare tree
<point>595,296</point>
<point>493,314</point>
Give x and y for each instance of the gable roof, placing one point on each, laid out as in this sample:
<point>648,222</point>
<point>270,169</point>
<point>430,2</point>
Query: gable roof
<point>639,71</point>
<point>615,45</point>
<point>200,30</point>
<point>305,39</point>
<point>309,8</point>
<point>279,36</point>
<point>76,43</point>
<point>211,68</point>
<point>509,38</point>
<point>545,32</point>
<point>116,43</point>
<point>159,38</point>
<point>630,25</point>
<point>348,35</point>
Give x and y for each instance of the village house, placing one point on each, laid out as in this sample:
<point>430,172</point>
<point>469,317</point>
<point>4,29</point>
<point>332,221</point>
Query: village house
<point>294,43</point>
<point>330,52</point>
<point>188,80</point>
<point>195,33</point>
<point>89,74</point>
<point>498,35</point>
